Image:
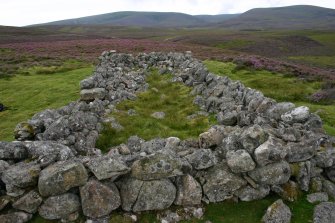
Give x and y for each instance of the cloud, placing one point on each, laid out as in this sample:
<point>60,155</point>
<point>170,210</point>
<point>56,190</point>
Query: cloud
<point>23,12</point>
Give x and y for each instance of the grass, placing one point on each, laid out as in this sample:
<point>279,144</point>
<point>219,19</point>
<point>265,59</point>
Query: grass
<point>325,61</point>
<point>234,44</point>
<point>25,95</point>
<point>162,96</point>
<point>280,87</point>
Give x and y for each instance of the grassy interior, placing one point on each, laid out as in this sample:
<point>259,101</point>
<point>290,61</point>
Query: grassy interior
<point>25,95</point>
<point>280,87</point>
<point>162,96</point>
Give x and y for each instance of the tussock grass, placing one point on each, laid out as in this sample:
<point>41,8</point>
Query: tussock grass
<point>279,87</point>
<point>162,96</point>
<point>26,95</point>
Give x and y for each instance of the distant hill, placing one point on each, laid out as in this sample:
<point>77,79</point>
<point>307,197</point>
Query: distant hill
<point>217,18</point>
<point>142,19</point>
<point>291,17</point>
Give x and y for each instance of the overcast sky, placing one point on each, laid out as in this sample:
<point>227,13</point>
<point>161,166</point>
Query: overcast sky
<point>26,12</point>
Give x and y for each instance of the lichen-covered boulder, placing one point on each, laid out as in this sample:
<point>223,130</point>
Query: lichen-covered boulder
<point>269,152</point>
<point>189,191</point>
<point>21,175</point>
<point>105,167</point>
<point>317,197</point>
<point>12,151</point>
<point>15,217</point>
<point>59,207</point>
<point>92,94</point>
<point>99,200</point>
<point>139,195</point>
<point>298,152</point>
<point>29,202</point>
<point>324,213</point>
<point>158,166</point>
<point>24,131</point>
<point>240,161</point>
<point>278,212</point>
<point>221,183</point>
<point>249,193</point>
<point>253,137</point>
<point>60,177</point>
<point>272,174</point>
<point>212,137</point>
<point>299,114</point>
<point>201,159</point>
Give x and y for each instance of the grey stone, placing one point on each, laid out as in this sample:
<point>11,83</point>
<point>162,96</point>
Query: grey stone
<point>60,177</point>
<point>92,94</point>
<point>329,188</point>
<point>105,167</point>
<point>221,183</point>
<point>87,83</point>
<point>249,193</point>
<point>324,213</point>
<point>277,110</point>
<point>331,173</point>
<point>189,191</point>
<point>153,145</point>
<point>275,173</point>
<point>21,175</point>
<point>129,190</point>
<point>240,161</point>
<point>13,151</point>
<point>158,166</point>
<point>99,200</point>
<point>3,166</point>
<point>201,159</point>
<point>317,197</point>
<point>155,195</point>
<point>158,115</point>
<point>15,217</point>
<point>211,138</point>
<point>297,152</point>
<point>59,207</point>
<point>269,152</point>
<point>227,118</point>
<point>253,137</point>
<point>299,114</point>
<point>24,131</point>
<point>278,212</point>
<point>29,202</point>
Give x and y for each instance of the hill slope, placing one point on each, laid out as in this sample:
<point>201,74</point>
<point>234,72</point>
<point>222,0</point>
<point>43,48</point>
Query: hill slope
<point>216,18</point>
<point>143,19</point>
<point>291,17</point>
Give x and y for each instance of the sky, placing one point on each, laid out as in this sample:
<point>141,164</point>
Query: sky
<point>27,12</point>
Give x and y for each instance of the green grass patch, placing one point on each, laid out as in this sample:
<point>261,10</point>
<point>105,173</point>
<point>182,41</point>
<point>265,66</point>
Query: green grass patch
<point>279,87</point>
<point>162,96</point>
<point>26,95</point>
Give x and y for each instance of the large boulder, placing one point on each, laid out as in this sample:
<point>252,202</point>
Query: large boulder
<point>201,159</point>
<point>15,217</point>
<point>240,161</point>
<point>21,175</point>
<point>212,137</point>
<point>278,212</point>
<point>269,152</point>
<point>99,200</point>
<point>249,193</point>
<point>221,183</point>
<point>59,207</point>
<point>272,174</point>
<point>299,114</point>
<point>29,202</point>
<point>189,191</point>
<point>12,151</point>
<point>92,94</point>
<point>105,167</point>
<point>159,165</point>
<point>140,195</point>
<point>298,152</point>
<point>324,213</point>
<point>60,177</point>
<point>253,137</point>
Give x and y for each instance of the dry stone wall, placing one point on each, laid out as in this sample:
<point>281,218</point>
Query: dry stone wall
<point>258,146</point>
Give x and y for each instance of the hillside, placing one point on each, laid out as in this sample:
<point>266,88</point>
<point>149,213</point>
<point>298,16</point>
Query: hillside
<point>216,18</point>
<point>291,17</point>
<point>142,19</point>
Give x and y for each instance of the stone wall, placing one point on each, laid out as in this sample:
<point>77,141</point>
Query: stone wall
<point>257,146</point>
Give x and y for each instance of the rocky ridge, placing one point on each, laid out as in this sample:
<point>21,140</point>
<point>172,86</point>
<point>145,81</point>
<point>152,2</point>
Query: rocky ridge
<point>257,146</point>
